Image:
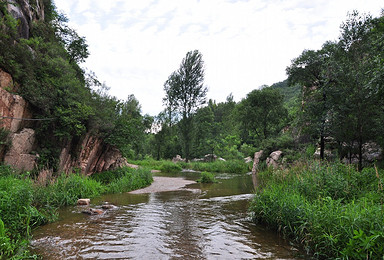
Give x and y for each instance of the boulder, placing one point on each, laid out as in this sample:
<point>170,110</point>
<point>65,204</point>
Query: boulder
<point>19,155</point>
<point>209,158</point>
<point>248,159</point>
<point>178,159</point>
<point>272,160</point>
<point>92,211</point>
<point>256,161</point>
<point>372,152</point>
<point>107,205</point>
<point>83,202</point>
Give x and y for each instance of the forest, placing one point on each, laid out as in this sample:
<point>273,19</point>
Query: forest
<point>331,102</point>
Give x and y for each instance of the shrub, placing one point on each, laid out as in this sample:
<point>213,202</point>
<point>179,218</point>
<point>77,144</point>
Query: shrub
<point>170,167</point>
<point>233,166</point>
<point>207,177</point>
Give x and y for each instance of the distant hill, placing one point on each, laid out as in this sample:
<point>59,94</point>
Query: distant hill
<point>291,93</point>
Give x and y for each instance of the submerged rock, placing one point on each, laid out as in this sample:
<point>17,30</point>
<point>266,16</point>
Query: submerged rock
<point>107,205</point>
<point>92,211</point>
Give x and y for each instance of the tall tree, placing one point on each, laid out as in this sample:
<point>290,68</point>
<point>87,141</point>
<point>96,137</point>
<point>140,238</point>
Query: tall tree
<point>261,114</point>
<point>185,92</point>
<point>358,109</point>
<point>311,71</point>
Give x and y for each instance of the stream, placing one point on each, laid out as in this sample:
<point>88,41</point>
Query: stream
<point>200,221</point>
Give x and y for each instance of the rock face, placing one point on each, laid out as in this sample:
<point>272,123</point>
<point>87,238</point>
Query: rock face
<point>256,161</point>
<point>92,156</point>
<point>89,154</point>
<point>12,107</point>
<point>25,13</point>
<point>19,154</point>
<point>272,160</point>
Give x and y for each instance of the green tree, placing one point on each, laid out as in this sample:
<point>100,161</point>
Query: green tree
<point>261,114</point>
<point>130,128</point>
<point>311,71</point>
<point>185,93</point>
<point>358,106</point>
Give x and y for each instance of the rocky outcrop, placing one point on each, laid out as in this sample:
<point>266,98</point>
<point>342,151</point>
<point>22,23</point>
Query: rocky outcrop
<point>92,155</point>
<point>273,159</point>
<point>19,154</point>
<point>26,12</point>
<point>89,154</point>
<point>12,107</point>
<point>256,161</point>
<point>177,159</point>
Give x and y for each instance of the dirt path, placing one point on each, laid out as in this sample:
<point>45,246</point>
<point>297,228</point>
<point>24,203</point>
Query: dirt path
<point>160,184</point>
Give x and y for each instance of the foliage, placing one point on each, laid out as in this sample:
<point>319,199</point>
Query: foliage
<point>132,179</point>
<point>231,166</point>
<point>66,190</point>
<point>170,167</point>
<point>342,87</point>
<point>185,92</point>
<point>265,105</point>
<point>333,210</point>
<point>207,177</point>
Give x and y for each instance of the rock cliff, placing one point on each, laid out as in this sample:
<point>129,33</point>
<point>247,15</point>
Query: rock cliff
<point>89,153</point>
<point>26,13</point>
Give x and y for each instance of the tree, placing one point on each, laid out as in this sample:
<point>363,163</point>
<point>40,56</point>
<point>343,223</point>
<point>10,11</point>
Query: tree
<point>358,104</point>
<point>185,93</point>
<point>261,114</point>
<point>310,70</point>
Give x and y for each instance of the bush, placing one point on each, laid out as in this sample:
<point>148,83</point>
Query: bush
<point>332,210</point>
<point>207,177</point>
<point>170,167</point>
<point>107,177</point>
<point>233,166</point>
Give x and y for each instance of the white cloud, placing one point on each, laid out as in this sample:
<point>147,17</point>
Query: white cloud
<point>136,45</point>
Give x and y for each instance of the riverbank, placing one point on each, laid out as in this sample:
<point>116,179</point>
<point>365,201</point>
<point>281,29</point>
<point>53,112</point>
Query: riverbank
<point>24,204</point>
<point>332,210</point>
<point>161,184</point>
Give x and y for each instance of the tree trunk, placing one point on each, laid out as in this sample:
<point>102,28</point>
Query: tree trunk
<point>322,147</point>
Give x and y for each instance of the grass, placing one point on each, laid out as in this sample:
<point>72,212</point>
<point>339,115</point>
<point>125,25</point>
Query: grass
<point>232,166</point>
<point>25,205</point>
<point>332,210</point>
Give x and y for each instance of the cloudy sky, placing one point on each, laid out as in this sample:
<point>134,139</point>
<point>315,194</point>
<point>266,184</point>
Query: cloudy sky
<point>136,44</point>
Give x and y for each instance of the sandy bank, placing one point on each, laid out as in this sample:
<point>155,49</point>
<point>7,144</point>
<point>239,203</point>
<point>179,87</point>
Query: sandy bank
<point>164,184</point>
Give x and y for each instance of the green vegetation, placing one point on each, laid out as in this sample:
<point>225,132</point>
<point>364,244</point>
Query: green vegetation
<point>25,205</point>
<point>207,177</point>
<point>332,210</point>
<point>232,166</point>
<point>185,92</point>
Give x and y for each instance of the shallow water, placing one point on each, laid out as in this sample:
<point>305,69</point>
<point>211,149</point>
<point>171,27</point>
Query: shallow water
<point>203,221</point>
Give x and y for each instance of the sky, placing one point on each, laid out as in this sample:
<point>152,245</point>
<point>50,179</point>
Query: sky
<point>135,45</point>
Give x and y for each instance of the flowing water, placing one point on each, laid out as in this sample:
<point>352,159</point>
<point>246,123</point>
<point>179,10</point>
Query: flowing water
<point>203,221</point>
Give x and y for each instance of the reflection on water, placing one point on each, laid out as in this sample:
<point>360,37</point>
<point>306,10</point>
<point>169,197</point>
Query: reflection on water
<point>202,222</point>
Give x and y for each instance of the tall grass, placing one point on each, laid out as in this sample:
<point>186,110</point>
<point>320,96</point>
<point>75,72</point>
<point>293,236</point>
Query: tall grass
<point>131,180</point>
<point>24,205</point>
<point>333,210</point>
<point>232,166</point>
